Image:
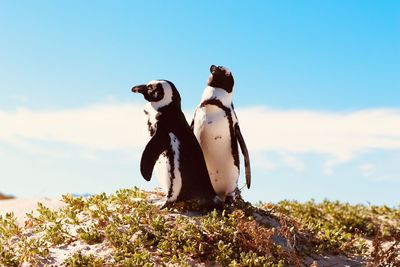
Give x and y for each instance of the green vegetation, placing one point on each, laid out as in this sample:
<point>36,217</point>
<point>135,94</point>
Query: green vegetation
<point>339,227</point>
<point>133,232</point>
<point>78,260</point>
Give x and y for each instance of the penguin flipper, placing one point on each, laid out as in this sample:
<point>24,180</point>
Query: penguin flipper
<point>157,144</point>
<point>245,153</point>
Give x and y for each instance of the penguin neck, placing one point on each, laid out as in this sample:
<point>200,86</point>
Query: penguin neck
<point>217,93</point>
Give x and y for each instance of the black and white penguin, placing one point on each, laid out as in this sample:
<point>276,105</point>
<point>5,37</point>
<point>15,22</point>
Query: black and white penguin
<point>216,127</point>
<point>173,148</point>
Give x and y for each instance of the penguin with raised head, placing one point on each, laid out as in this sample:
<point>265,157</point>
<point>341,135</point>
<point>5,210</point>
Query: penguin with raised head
<point>173,148</point>
<point>216,127</point>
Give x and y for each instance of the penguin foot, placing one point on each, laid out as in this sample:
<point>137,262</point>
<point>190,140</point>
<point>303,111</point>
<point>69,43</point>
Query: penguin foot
<point>229,200</point>
<point>234,197</point>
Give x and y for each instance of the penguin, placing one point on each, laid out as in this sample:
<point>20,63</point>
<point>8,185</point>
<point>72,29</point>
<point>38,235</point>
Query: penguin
<point>173,149</point>
<point>216,127</point>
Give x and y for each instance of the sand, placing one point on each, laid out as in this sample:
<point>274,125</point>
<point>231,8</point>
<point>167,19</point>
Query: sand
<point>21,206</point>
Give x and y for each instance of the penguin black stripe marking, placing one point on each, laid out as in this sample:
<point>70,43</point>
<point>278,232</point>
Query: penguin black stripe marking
<point>150,127</point>
<point>216,127</point>
<point>217,103</point>
<point>173,149</point>
<point>170,154</point>
<point>228,113</point>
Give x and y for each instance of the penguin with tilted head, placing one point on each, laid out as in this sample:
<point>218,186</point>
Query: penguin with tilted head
<point>216,127</point>
<point>173,148</point>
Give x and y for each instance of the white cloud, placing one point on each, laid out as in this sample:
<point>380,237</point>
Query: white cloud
<point>340,136</point>
<point>95,127</point>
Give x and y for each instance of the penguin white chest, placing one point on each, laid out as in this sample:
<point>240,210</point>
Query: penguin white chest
<point>167,169</point>
<point>212,130</point>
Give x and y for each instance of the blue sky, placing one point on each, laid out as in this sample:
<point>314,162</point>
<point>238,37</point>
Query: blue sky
<point>68,117</point>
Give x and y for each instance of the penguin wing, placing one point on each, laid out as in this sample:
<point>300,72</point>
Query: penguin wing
<point>157,144</point>
<point>245,153</point>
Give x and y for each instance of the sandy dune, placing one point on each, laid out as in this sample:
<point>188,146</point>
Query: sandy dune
<point>21,206</point>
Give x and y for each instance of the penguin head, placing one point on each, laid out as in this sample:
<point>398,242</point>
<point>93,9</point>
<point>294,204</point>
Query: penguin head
<point>221,77</point>
<point>159,93</point>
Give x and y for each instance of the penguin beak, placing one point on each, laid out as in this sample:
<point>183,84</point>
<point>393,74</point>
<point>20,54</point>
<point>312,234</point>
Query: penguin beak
<point>213,68</point>
<point>139,88</point>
